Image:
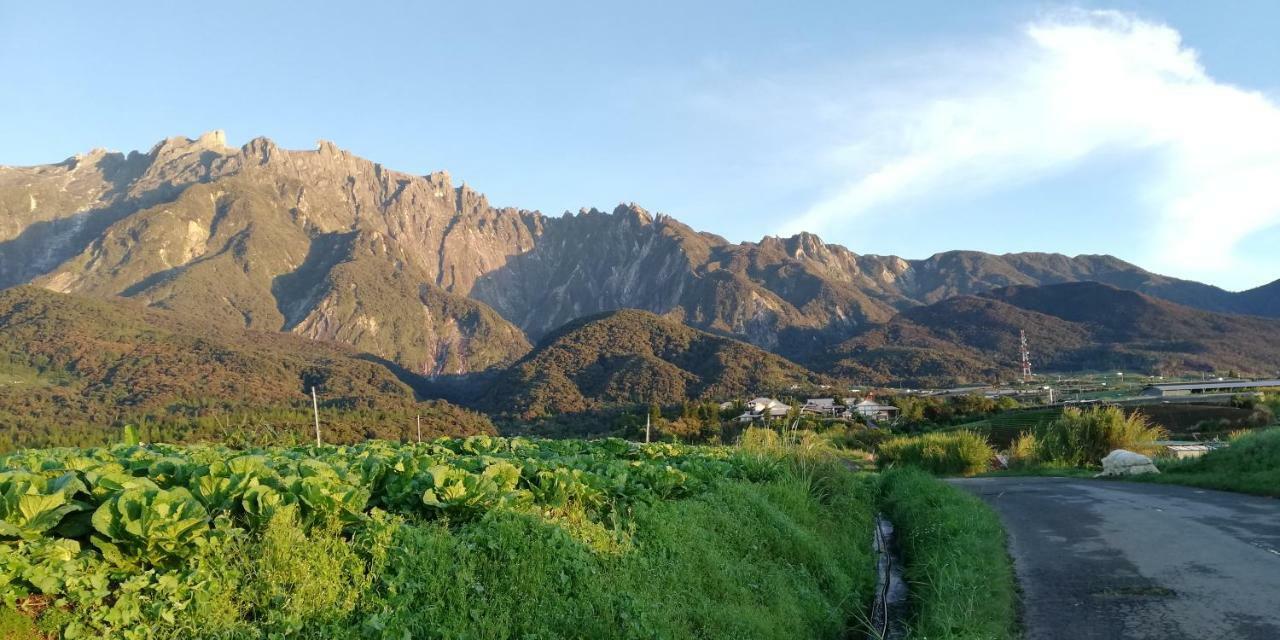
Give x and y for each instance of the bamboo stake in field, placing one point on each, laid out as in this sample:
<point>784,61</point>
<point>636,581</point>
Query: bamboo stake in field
<point>419,428</point>
<point>315,408</point>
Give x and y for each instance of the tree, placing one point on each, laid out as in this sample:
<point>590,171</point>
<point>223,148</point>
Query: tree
<point>739,407</point>
<point>1007,403</point>
<point>655,412</point>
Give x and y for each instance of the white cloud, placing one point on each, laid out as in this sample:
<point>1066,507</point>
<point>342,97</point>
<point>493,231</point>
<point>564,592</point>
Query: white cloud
<point>1068,88</point>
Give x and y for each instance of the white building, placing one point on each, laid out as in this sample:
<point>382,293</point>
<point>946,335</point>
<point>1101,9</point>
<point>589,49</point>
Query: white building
<point>871,409</point>
<point>764,409</point>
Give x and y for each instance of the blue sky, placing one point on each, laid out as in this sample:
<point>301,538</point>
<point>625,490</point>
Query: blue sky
<point>1148,130</point>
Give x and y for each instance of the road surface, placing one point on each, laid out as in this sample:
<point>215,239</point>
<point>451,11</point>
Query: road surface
<point>1103,559</point>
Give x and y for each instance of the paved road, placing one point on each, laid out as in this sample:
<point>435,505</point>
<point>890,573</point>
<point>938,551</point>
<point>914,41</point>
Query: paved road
<point>1102,559</point>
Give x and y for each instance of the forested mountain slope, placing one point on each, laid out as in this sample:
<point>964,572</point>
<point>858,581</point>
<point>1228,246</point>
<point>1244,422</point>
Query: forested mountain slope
<point>1070,327</point>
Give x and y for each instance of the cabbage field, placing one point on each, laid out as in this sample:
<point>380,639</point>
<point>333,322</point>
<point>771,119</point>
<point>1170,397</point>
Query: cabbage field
<point>452,538</point>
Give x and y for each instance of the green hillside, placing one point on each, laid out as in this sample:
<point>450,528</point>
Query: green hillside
<point>635,357</point>
<point>72,370</point>
<point>1071,327</point>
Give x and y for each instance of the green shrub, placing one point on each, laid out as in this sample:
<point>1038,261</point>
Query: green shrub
<point>1272,400</point>
<point>961,578</point>
<point>1022,453</point>
<point>858,437</point>
<point>1083,438</point>
<point>1261,416</point>
<point>295,579</point>
<point>1255,451</point>
<point>946,453</point>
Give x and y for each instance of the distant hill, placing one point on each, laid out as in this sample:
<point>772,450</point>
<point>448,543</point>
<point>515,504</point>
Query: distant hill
<point>1262,301</point>
<point>428,274</point>
<point>635,357</point>
<point>68,361</point>
<point>1070,327</point>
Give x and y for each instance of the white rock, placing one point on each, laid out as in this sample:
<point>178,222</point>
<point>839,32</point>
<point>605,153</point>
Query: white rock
<point>1125,463</point>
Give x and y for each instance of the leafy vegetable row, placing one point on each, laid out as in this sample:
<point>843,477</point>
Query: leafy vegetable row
<point>129,525</point>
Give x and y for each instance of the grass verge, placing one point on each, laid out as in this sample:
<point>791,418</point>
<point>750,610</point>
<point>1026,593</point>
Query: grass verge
<point>1251,464</point>
<point>958,571</point>
<point>744,561</point>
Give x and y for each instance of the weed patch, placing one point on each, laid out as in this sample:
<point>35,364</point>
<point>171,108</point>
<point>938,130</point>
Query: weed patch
<point>958,570</point>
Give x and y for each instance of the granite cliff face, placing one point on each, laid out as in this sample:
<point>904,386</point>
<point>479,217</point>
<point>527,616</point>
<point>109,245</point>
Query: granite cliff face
<point>430,275</point>
<point>318,242</point>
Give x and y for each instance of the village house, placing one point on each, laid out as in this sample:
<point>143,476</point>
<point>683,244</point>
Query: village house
<point>821,407</point>
<point>869,408</point>
<point>764,409</point>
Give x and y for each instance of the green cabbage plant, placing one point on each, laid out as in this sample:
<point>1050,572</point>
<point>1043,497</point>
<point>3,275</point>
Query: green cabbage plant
<point>149,526</point>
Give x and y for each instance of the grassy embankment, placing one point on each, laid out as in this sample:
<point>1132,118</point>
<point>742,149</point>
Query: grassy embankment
<point>510,540</point>
<point>959,574</point>
<point>758,561</point>
<point>1250,464</point>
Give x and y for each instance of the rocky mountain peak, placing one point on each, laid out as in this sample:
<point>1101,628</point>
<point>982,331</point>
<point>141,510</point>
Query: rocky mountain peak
<point>260,149</point>
<point>440,178</point>
<point>91,157</point>
<point>633,212</point>
<point>328,148</point>
<point>177,146</point>
<point>214,139</point>
<point>805,244</point>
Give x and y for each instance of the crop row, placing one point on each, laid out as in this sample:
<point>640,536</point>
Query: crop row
<point>134,522</point>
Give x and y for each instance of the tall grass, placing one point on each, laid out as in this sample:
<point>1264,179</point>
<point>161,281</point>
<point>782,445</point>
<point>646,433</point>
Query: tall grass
<point>958,572</point>
<point>744,561</point>
<point>1251,464</point>
<point>805,457</point>
<point>1083,438</point>
<point>1023,452</point>
<point>945,453</point>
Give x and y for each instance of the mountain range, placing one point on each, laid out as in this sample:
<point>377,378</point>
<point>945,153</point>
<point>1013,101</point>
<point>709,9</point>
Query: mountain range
<point>1079,326</point>
<point>426,274</point>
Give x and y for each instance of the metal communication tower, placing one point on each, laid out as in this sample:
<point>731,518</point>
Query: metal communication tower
<point>1025,355</point>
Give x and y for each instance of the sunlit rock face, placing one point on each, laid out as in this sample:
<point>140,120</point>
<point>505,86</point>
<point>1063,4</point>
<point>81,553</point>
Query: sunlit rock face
<point>430,275</point>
